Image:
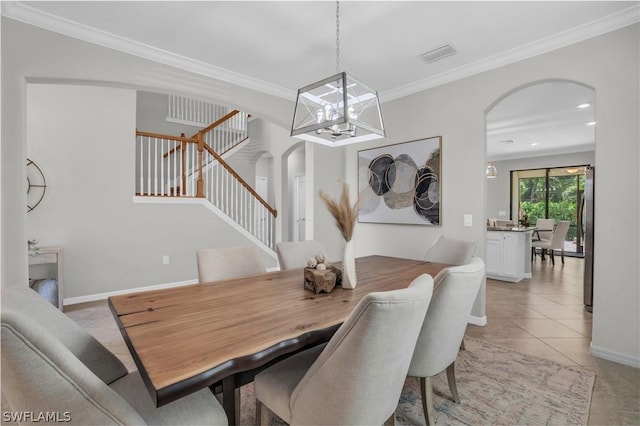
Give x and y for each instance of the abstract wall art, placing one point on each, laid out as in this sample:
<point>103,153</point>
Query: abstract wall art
<point>401,183</point>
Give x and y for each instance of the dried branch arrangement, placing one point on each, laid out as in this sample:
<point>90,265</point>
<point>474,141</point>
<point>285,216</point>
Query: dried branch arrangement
<point>343,212</point>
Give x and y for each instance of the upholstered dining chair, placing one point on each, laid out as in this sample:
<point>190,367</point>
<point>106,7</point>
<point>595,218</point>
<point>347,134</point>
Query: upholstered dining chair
<point>358,376</point>
<point>451,251</point>
<point>556,242</point>
<point>40,374</point>
<point>544,228</point>
<point>294,254</point>
<point>76,339</point>
<point>455,290</point>
<point>228,262</point>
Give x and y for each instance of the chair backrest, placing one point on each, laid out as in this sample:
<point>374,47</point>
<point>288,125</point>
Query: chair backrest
<point>451,251</point>
<point>545,228</point>
<point>40,375</point>
<point>228,262</point>
<point>455,290</point>
<point>359,375</point>
<point>83,345</point>
<point>294,254</point>
<point>560,234</point>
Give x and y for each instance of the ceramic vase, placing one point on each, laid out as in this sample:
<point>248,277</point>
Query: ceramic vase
<point>349,279</point>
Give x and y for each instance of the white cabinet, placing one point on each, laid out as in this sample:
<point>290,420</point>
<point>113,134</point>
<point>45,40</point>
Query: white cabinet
<point>508,255</point>
<point>494,253</point>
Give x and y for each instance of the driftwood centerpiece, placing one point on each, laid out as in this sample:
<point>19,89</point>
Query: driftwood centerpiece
<point>320,276</point>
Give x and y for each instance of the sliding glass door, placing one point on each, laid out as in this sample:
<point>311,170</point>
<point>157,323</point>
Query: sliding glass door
<point>553,193</point>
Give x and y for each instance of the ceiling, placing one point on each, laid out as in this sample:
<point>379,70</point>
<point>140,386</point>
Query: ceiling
<point>277,47</point>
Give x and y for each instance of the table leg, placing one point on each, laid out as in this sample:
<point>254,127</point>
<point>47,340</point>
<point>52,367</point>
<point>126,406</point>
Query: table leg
<point>229,398</point>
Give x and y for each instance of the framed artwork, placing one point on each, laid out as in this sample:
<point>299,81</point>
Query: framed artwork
<point>401,183</point>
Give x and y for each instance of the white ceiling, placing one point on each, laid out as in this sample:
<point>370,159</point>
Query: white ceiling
<point>277,47</point>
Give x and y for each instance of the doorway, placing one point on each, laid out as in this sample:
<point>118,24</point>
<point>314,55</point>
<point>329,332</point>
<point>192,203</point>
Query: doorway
<point>533,133</point>
<point>299,215</point>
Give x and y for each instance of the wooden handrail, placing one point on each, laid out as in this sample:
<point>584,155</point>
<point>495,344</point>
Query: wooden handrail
<point>192,139</point>
<point>217,122</point>
<point>224,164</point>
<point>170,137</point>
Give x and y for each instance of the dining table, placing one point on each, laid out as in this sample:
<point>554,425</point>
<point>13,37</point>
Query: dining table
<point>220,334</point>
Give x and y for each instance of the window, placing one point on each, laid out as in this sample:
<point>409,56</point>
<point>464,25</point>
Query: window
<point>552,193</point>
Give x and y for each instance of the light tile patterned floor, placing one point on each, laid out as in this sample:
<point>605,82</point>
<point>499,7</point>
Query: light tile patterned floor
<point>543,316</point>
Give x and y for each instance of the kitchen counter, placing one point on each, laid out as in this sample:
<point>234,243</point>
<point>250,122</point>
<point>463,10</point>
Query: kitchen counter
<point>510,228</point>
<point>508,253</point>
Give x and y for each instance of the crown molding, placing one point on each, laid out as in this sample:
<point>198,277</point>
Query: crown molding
<point>21,11</point>
<point>577,34</point>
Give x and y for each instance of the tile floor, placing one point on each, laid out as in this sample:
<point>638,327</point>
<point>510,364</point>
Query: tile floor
<point>543,316</point>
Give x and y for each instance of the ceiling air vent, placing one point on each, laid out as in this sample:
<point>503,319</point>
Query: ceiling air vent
<point>439,53</point>
<point>506,141</point>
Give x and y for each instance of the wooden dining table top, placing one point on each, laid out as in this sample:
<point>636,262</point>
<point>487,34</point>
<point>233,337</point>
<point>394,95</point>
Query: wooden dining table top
<point>187,338</point>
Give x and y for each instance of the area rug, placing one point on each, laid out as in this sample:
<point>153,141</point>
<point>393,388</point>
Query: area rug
<point>497,386</point>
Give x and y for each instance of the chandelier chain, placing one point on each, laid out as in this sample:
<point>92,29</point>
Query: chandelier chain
<point>337,36</point>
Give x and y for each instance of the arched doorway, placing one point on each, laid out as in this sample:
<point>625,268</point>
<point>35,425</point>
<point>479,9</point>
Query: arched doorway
<point>294,193</point>
<point>540,137</point>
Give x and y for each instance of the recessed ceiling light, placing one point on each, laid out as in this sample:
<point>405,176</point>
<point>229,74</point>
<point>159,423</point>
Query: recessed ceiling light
<point>591,123</point>
<point>535,143</point>
<point>585,105</point>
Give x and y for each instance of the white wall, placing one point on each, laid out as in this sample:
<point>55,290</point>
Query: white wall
<point>608,63</point>
<point>499,189</point>
<point>83,137</point>
<point>457,112</point>
<point>35,55</point>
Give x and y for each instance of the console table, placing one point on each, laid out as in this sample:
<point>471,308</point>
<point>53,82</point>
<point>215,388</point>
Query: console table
<point>51,255</point>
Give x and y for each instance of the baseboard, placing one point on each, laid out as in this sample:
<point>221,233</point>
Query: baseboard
<point>478,320</point>
<point>102,296</point>
<point>614,356</point>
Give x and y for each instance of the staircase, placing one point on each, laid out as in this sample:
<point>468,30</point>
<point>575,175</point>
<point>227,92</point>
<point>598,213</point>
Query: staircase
<point>194,167</point>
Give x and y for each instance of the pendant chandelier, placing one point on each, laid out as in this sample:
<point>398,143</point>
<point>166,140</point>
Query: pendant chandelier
<point>491,172</point>
<point>337,110</point>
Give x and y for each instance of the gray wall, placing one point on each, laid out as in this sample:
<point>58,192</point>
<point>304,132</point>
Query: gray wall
<point>498,189</point>
<point>456,111</point>
<point>83,138</point>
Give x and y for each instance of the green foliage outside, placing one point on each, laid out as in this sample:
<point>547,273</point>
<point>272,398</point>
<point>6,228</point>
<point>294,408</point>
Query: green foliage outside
<point>563,199</point>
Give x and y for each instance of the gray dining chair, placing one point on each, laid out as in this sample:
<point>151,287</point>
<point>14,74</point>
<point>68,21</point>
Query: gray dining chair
<point>294,254</point>
<point>40,374</point>
<point>455,290</point>
<point>97,358</point>
<point>543,231</point>
<point>544,228</point>
<point>228,262</point>
<point>556,242</point>
<point>451,251</point>
<point>357,377</point>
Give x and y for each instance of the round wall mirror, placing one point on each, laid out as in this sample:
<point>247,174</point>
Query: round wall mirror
<point>36,185</point>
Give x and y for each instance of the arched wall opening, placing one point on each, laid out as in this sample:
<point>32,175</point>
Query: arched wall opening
<point>542,125</point>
